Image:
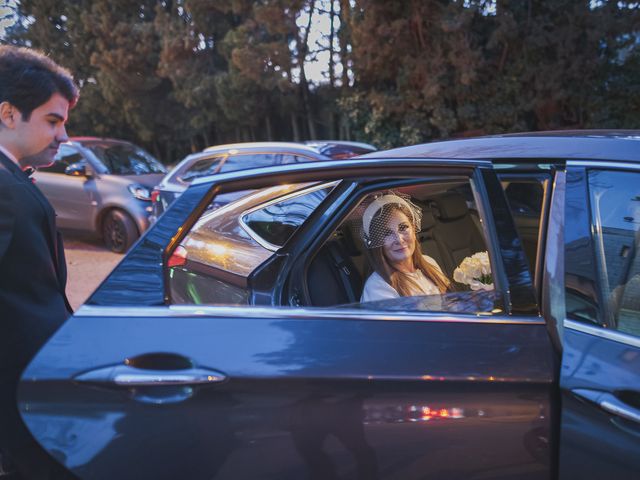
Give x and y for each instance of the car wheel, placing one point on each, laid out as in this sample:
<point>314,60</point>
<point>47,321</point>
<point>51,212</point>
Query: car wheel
<point>118,231</point>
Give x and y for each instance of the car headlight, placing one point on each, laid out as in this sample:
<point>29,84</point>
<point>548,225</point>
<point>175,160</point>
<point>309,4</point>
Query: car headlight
<point>140,192</point>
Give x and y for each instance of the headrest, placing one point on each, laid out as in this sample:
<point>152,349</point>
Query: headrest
<point>428,220</point>
<point>452,206</point>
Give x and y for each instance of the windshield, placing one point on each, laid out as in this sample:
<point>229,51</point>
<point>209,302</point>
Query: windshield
<point>125,159</point>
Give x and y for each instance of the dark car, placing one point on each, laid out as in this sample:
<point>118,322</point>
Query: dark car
<point>232,344</point>
<point>228,158</point>
<point>103,186</point>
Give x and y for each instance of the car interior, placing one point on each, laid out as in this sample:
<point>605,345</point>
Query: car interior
<point>335,274</point>
<point>450,232</point>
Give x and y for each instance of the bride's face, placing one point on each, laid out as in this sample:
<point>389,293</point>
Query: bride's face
<point>399,238</point>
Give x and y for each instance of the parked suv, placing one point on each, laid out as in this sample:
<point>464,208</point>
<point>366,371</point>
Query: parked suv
<point>102,185</point>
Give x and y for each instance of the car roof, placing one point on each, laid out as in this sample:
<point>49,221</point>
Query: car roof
<point>97,140</point>
<point>612,145</point>
<point>171,179</point>
<point>261,146</point>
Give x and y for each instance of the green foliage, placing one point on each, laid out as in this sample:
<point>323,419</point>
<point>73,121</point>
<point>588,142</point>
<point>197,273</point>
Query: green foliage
<point>435,69</point>
<point>178,75</point>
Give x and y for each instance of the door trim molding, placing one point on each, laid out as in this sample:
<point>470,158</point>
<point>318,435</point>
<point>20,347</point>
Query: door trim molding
<point>299,313</point>
<point>602,332</point>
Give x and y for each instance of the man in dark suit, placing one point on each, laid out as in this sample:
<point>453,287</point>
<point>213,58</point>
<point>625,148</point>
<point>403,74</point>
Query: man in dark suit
<point>35,97</point>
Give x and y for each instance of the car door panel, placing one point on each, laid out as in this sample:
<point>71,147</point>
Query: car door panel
<point>73,198</point>
<point>597,443</point>
<point>394,397</point>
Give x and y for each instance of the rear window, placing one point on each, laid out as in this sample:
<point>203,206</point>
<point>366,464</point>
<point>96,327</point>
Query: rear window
<point>202,168</point>
<point>229,163</point>
<point>244,162</point>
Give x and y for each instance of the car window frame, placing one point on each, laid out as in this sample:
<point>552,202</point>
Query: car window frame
<point>162,238</point>
<point>303,252</point>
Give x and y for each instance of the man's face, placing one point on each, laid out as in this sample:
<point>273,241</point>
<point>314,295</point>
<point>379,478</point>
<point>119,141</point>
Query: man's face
<point>43,132</point>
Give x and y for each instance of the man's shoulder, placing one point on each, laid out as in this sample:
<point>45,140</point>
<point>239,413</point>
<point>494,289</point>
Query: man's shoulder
<point>8,172</point>
<point>7,177</point>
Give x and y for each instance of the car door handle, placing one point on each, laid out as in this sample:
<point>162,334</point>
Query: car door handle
<point>609,403</point>
<point>128,376</point>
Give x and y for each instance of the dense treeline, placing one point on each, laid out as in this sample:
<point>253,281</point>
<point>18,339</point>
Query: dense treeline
<point>178,75</point>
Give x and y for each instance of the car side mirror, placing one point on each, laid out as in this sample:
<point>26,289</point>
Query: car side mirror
<point>78,169</point>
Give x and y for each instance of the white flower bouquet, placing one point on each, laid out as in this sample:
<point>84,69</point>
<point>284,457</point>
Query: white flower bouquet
<point>475,271</point>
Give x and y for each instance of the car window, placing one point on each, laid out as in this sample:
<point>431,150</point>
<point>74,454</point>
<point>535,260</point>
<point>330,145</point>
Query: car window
<point>436,225</point>
<point>289,158</point>
<point>275,222</point>
<point>202,168</point>
<point>218,259</point>
<point>125,159</point>
<point>214,260</point>
<point>66,156</point>
<point>243,162</point>
<point>615,210</point>
<point>525,198</point>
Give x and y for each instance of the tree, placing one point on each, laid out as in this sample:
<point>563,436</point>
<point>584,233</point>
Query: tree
<point>436,69</point>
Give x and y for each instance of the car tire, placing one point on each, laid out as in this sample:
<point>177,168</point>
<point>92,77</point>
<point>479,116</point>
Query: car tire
<point>118,231</point>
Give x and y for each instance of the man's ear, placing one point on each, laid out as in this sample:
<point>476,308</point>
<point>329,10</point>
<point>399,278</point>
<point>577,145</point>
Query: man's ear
<point>8,115</point>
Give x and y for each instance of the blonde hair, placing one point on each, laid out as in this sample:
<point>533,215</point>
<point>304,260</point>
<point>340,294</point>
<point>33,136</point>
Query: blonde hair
<point>401,282</point>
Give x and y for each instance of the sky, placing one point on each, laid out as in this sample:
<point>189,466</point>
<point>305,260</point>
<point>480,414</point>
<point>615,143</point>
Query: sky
<point>317,66</point>
<point>7,18</point>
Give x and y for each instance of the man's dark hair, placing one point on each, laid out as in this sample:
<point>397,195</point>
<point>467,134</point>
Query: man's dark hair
<point>28,79</point>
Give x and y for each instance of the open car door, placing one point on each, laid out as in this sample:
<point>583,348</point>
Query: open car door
<point>133,386</point>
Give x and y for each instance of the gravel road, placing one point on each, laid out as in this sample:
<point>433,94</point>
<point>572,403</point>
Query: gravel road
<point>88,264</point>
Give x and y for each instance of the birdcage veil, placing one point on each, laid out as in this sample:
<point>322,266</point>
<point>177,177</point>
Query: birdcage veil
<point>378,210</point>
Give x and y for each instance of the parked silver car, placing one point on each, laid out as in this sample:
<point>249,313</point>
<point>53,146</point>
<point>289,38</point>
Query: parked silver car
<point>228,158</point>
<point>102,186</point>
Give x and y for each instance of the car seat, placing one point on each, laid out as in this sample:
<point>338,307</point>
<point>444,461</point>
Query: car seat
<point>332,277</point>
<point>426,236</point>
<point>456,233</point>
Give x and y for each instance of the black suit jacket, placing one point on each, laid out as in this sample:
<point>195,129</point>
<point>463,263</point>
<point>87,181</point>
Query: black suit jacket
<point>33,304</point>
<point>33,272</point>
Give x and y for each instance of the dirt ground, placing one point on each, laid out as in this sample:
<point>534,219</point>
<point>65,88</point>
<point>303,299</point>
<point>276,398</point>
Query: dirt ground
<point>88,264</point>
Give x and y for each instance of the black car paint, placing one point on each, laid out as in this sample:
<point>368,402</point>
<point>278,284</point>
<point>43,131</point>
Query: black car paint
<point>283,378</point>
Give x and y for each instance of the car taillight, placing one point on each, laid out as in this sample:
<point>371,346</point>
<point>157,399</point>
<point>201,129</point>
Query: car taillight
<point>154,195</point>
<point>178,257</point>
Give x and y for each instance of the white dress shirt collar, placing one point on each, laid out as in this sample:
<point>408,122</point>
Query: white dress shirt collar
<point>9,155</point>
